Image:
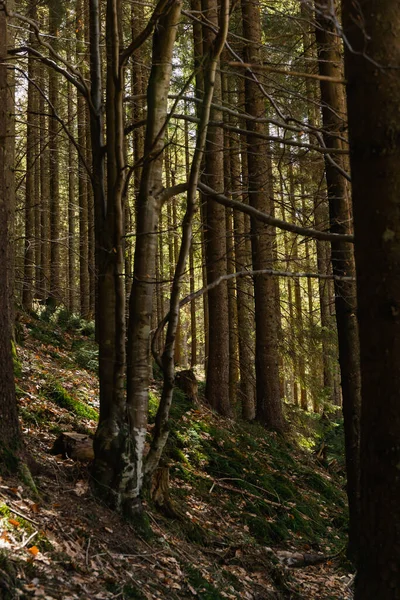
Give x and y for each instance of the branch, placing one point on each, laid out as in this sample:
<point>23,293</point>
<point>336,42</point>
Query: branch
<point>53,53</point>
<point>269,220</point>
<point>228,277</point>
<point>291,73</point>
<point>82,88</point>
<point>56,116</point>
<point>159,10</point>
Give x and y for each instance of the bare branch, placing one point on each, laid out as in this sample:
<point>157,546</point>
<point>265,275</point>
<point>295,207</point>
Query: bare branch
<point>290,73</point>
<point>161,8</point>
<point>269,220</point>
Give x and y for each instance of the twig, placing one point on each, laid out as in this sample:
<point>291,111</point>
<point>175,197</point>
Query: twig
<point>28,540</point>
<point>87,552</point>
<point>16,512</point>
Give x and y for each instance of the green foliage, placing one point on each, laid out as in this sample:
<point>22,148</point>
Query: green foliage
<point>54,391</point>
<point>74,323</point>
<point>47,334</point>
<point>87,357</point>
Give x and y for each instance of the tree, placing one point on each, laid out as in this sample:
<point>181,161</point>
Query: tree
<point>9,426</point>
<point>217,384</point>
<point>268,400</point>
<point>342,256</point>
<point>372,55</point>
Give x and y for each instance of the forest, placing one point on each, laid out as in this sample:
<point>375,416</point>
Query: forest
<point>199,241</point>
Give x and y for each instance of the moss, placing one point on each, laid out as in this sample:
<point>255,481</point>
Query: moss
<point>9,460</point>
<point>205,590</point>
<point>8,578</point>
<point>58,394</point>
<point>16,362</point>
<point>4,511</point>
<point>323,486</point>
<point>266,532</point>
<point>141,524</point>
<point>27,479</point>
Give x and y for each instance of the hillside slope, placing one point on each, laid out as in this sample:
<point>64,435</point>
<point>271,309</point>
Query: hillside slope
<point>245,506</point>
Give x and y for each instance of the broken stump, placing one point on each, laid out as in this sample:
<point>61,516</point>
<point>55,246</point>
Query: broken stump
<point>78,446</point>
<point>187,382</point>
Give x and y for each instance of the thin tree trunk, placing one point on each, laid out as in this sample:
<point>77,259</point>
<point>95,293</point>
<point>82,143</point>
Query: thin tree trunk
<point>44,191</point>
<point>55,16</point>
<point>333,116</point>
<point>72,160</point>
<point>217,379</point>
<point>84,282</point>
<point>269,408</point>
<point>29,254</point>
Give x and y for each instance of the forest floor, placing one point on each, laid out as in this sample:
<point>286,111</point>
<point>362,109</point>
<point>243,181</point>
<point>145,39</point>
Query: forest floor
<point>250,505</point>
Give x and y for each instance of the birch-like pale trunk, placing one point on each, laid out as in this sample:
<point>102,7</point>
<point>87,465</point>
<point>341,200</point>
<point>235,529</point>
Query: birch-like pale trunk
<point>148,213</point>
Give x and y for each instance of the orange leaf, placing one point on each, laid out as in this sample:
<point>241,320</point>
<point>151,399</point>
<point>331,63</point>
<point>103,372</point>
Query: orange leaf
<point>34,550</point>
<point>14,522</point>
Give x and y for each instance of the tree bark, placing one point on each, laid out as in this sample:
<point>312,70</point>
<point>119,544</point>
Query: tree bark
<point>55,18</point>
<point>84,282</point>
<point>10,439</point>
<point>30,242</point>
<point>268,404</point>
<point>217,378</point>
<point>372,54</point>
<point>333,118</point>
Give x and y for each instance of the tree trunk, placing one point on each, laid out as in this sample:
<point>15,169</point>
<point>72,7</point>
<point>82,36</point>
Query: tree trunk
<point>333,117</point>
<point>217,380</point>
<point>55,18</point>
<point>10,439</point>
<point>84,282</point>
<point>44,191</point>
<point>29,254</point>
<point>373,88</point>
<point>268,405</point>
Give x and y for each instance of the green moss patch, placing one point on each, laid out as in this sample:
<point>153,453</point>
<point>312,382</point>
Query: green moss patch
<point>53,390</point>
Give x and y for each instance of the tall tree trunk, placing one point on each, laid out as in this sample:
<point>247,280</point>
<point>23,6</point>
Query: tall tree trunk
<point>269,408</point>
<point>84,282</point>
<point>245,320</point>
<point>120,437</point>
<point>168,364</point>
<point>72,159</point>
<point>10,439</point>
<point>217,379</point>
<point>372,30</point>
<point>29,254</point>
<point>193,323</point>
<point>44,191</point>
<point>333,117</point>
<point>55,17</point>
